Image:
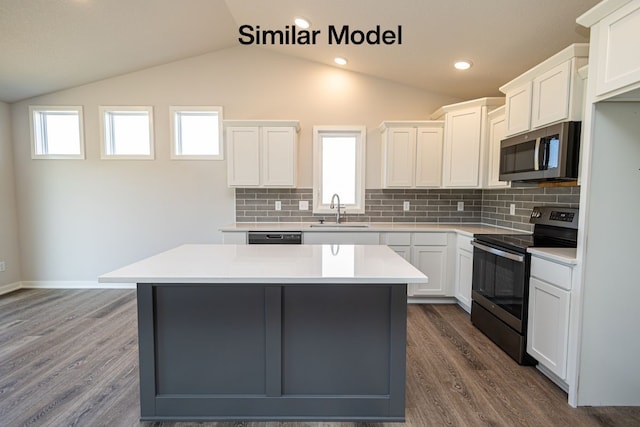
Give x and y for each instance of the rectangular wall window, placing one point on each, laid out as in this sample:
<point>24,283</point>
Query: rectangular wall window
<point>196,133</point>
<point>127,132</point>
<point>56,132</point>
<point>338,167</point>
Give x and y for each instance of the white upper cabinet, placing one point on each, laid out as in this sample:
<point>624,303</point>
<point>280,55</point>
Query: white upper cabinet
<point>412,154</point>
<point>615,33</point>
<point>465,140</point>
<point>551,92</point>
<point>496,130</point>
<point>243,156</point>
<point>279,156</point>
<point>548,93</point>
<point>518,102</point>
<point>261,153</point>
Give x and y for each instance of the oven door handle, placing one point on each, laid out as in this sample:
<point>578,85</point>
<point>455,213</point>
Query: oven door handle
<point>498,252</point>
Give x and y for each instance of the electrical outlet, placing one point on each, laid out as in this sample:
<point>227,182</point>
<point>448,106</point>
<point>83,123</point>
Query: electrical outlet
<point>460,206</point>
<point>406,205</point>
<point>512,209</point>
<point>278,205</point>
<point>2,266</point>
<point>303,205</point>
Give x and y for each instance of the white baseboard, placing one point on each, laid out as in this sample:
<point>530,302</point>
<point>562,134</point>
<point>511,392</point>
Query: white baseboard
<point>431,300</point>
<point>74,284</point>
<point>5,289</point>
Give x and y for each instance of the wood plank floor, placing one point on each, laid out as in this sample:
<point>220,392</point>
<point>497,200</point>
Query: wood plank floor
<point>69,358</point>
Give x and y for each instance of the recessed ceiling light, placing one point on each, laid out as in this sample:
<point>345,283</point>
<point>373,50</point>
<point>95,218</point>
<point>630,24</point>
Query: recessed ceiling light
<point>463,64</point>
<point>302,23</point>
<point>340,61</point>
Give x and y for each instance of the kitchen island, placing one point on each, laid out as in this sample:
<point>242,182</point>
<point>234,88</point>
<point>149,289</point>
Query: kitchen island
<point>278,332</point>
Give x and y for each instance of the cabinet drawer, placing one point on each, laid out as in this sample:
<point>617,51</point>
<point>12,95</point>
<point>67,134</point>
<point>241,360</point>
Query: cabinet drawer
<point>402,239</point>
<point>430,239</point>
<point>464,243</point>
<point>551,272</point>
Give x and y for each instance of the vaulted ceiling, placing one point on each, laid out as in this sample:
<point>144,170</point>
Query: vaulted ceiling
<point>48,45</point>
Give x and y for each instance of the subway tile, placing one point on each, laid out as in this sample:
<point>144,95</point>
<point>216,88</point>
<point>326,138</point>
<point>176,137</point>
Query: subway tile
<point>427,205</point>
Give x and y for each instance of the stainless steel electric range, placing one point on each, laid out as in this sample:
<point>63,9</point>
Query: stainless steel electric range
<point>500,285</point>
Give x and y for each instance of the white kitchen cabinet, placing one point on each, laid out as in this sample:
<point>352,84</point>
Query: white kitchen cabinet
<point>464,271</point>
<point>550,95</point>
<point>496,129</point>
<point>430,254</point>
<point>548,318</point>
<point>399,242</point>
<point>234,237</point>
<point>339,237</point>
<point>261,153</point>
<point>465,139</point>
<point>412,154</point>
<point>518,107</point>
<point>615,31</point>
<point>548,329</point>
<point>550,92</point>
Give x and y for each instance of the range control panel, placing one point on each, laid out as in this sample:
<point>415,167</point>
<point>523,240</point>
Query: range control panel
<point>553,215</point>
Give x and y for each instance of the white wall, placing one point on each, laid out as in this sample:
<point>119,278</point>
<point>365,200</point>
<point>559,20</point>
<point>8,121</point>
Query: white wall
<point>79,219</point>
<point>609,373</point>
<point>9,252</point>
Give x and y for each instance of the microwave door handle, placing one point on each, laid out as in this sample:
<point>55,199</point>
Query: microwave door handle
<point>547,153</point>
<point>536,156</point>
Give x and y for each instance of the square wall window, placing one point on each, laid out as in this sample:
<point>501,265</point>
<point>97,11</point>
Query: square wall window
<point>196,133</point>
<point>127,132</point>
<point>56,132</point>
<point>338,168</point>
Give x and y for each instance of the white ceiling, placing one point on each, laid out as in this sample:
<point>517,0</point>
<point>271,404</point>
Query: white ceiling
<point>48,45</point>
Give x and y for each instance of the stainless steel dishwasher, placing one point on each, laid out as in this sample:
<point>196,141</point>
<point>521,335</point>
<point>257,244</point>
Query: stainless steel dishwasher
<point>274,238</point>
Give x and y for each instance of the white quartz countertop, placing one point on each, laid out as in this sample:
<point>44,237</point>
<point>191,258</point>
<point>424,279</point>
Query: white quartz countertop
<point>563,255</point>
<point>344,264</point>
<point>468,229</point>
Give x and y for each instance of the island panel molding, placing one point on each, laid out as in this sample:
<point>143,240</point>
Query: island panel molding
<point>325,342</point>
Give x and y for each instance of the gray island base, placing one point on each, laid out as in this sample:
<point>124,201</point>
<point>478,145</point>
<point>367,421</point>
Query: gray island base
<point>316,346</point>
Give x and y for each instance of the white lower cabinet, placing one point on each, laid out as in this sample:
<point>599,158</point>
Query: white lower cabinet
<point>337,237</point>
<point>400,243</point>
<point>234,238</point>
<point>429,254</point>
<point>464,272</point>
<point>548,318</point>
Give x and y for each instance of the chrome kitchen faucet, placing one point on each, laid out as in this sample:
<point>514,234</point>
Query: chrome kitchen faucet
<point>337,208</point>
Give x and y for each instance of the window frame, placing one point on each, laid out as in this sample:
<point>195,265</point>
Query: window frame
<point>360,132</point>
<point>104,154</point>
<point>37,137</point>
<point>174,128</point>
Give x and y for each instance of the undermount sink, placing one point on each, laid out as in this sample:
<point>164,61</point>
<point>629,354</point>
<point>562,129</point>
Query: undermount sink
<point>342,225</point>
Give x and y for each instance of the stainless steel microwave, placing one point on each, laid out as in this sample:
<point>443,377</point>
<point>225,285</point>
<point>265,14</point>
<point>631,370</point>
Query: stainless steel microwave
<point>547,154</point>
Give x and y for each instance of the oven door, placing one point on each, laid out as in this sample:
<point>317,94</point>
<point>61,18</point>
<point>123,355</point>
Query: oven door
<point>500,283</point>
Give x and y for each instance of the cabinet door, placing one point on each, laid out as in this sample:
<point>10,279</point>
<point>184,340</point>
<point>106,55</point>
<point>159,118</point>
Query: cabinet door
<point>548,328</point>
<point>432,261</point>
<point>403,251</point>
<point>462,144</point>
<point>243,156</point>
<point>496,134</point>
<point>518,110</point>
<point>399,157</point>
<point>617,45</point>
<point>464,273</point>
<point>278,156</point>
<point>551,93</point>
<point>428,162</point>
<point>234,238</point>
<point>337,237</point>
